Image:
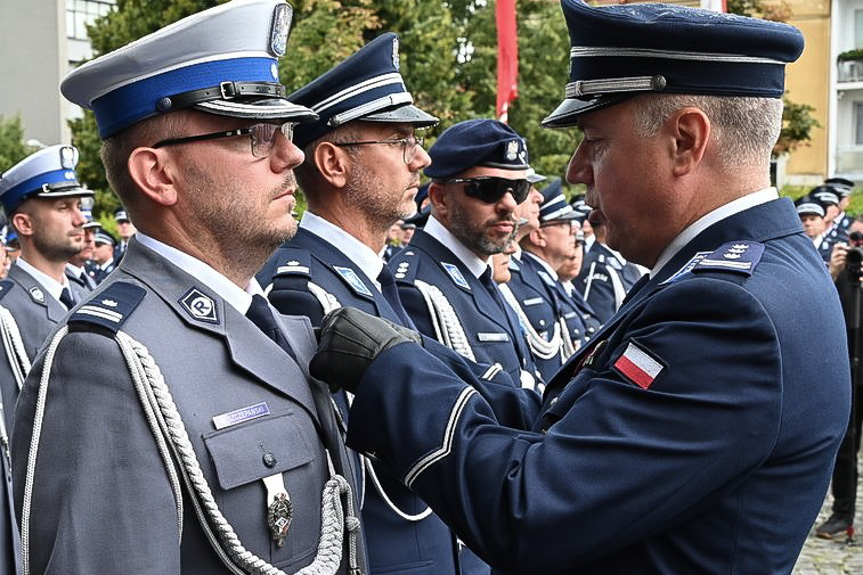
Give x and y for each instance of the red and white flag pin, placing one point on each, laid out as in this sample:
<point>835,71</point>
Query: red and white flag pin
<point>638,366</point>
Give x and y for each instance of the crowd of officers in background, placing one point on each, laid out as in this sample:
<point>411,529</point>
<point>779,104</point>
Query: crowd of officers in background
<point>101,253</point>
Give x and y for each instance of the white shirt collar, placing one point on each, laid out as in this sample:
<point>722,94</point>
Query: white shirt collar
<point>551,271</point>
<point>50,284</point>
<point>362,255</point>
<point>707,220</point>
<point>474,263</point>
<point>77,271</point>
<point>238,298</point>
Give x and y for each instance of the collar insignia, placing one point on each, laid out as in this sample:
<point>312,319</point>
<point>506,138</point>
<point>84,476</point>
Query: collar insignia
<point>200,306</point>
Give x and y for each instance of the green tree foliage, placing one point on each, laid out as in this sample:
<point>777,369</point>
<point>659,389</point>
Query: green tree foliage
<point>448,57</point>
<point>12,146</point>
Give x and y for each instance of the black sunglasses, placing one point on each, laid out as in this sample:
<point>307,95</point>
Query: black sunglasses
<point>490,189</point>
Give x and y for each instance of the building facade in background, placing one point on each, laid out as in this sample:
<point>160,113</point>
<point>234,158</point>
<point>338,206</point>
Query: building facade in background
<point>41,40</point>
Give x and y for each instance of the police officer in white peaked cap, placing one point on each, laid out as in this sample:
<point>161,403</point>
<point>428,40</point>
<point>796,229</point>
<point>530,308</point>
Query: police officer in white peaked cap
<point>41,198</point>
<point>197,443</point>
<point>693,433</point>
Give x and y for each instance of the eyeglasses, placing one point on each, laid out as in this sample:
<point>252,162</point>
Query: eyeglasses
<point>409,146</point>
<point>572,225</point>
<point>263,137</point>
<point>491,189</point>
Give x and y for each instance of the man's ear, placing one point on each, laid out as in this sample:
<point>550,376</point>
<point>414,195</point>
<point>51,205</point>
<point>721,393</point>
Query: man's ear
<point>23,223</point>
<point>691,131</point>
<point>439,200</point>
<point>154,172</point>
<point>333,164</point>
<point>537,237</point>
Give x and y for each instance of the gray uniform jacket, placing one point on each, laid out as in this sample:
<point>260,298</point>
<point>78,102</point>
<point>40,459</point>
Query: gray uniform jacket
<point>102,500</point>
<point>36,314</point>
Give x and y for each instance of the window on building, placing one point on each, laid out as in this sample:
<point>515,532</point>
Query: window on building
<point>80,13</point>
<point>858,123</point>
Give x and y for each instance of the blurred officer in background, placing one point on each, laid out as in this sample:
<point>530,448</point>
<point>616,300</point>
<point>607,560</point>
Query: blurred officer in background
<point>199,411</point>
<point>77,267</point>
<point>694,434</point>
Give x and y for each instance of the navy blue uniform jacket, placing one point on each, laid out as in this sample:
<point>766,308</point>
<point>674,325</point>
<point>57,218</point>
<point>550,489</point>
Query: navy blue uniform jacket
<point>492,337</point>
<point>395,545</point>
<point>717,462</point>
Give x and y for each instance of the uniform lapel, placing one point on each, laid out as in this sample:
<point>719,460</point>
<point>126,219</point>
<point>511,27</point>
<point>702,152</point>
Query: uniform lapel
<point>54,310</point>
<point>200,308</point>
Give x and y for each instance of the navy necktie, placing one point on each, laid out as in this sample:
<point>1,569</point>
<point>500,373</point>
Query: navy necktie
<point>391,294</point>
<point>260,314</point>
<point>67,299</point>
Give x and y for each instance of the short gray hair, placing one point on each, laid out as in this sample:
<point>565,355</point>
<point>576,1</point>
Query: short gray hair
<point>744,129</point>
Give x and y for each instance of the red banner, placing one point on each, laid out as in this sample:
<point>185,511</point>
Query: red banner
<point>507,57</point>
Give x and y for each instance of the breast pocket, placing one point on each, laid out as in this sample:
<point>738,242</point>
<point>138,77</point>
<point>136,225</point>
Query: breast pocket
<point>285,443</point>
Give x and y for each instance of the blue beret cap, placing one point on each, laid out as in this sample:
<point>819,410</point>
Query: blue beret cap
<point>367,86</point>
<point>622,50</point>
<point>810,205</point>
<point>472,143</point>
<point>48,173</point>
<point>554,206</point>
<point>221,61</point>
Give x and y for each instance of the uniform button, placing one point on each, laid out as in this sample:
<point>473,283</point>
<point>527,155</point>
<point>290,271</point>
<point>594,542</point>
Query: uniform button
<point>269,460</point>
<point>553,401</point>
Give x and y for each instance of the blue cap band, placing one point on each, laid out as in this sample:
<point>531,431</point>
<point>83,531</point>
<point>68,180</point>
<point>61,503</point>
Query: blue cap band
<point>124,106</point>
<point>15,196</point>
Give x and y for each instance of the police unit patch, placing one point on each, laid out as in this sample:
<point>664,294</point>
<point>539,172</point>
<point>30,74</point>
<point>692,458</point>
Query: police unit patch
<point>455,274</point>
<point>353,280</point>
<point>200,306</point>
<point>639,367</point>
<point>37,294</point>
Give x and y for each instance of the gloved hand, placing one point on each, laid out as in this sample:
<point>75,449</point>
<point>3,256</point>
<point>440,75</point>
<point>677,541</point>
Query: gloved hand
<point>349,342</point>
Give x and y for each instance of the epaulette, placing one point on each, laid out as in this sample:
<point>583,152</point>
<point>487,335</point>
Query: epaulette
<point>5,287</point>
<point>738,257</point>
<point>111,308</point>
<point>406,268</point>
<point>294,261</point>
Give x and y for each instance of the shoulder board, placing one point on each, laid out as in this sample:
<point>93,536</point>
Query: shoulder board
<point>5,287</point>
<point>294,261</point>
<point>738,257</point>
<point>112,307</point>
<point>405,266</point>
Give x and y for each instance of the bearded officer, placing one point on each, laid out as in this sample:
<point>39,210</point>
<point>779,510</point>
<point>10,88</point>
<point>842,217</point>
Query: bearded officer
<point>362,169</point>
<point>479,170</point>
<point>197,443</point>
<point>693,434</point>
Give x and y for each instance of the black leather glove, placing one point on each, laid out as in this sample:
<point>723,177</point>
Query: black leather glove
<point>349,342</point>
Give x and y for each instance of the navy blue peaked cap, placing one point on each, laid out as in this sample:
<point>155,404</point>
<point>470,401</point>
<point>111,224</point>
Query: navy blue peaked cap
<point>472,143</point>
<point>623,50</point>
<point>367,86</point>
<point>842,186</point>
<point>554,206</point>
